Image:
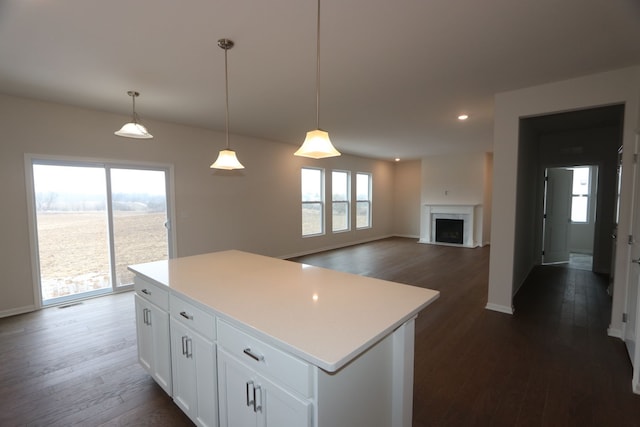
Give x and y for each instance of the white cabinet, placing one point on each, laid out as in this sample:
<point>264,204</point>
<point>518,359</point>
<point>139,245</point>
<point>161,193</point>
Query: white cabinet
<point>248,399</point>
<point>252,344</point>
<point>260,386</point>
<point>194,362</point>
<point>154,354</point>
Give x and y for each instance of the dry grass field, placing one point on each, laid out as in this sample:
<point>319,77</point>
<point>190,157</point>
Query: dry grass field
<point>74,248</point>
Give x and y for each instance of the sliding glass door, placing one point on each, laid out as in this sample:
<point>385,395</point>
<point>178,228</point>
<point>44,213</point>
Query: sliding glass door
<point>140,220</point>
<point>92,221</point>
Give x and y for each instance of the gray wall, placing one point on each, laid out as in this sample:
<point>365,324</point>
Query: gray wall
<point>613,87</point>
<point>256,210</point>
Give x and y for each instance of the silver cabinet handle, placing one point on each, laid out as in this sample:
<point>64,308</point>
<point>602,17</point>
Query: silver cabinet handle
<point>254,356</point>
<point>249,401</point>
<point>257,407</point>
<point>187,347</point>
<point>186,315</point>
<point>637,261</point>
<point>146,292</point>
<point>146,318</point>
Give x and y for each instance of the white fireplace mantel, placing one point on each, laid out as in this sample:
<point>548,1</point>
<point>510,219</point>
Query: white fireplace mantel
<point>470,214</point>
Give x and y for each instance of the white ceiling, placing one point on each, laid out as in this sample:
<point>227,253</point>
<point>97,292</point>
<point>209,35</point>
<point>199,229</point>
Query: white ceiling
<point>394,73</point>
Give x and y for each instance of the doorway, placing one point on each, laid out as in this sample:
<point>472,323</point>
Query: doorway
<point>570,216</point>
<point>92,220</point>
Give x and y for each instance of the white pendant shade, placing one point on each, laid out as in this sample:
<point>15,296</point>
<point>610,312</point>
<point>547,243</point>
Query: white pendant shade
<point>317,145</point>
<point>227,160</point>
<point>134,130</point>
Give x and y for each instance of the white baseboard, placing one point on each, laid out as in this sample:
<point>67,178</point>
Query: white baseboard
<point>615,333</point>
<point>331,247</point>
<point>17,310</point>
<point>499,308</point>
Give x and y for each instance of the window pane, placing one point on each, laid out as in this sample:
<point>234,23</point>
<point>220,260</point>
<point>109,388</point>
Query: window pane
<point>311,185</point>
<point>139,215</point>
<point>340,197</point>
<point>311,218</point>
<point>363,205</point>
<point>312,189</point>
<point>581,181</point>
<point>71,220</point>
<point>362,186</point>
<point>579,208</point>
<point>362,214</point>
<point>339,185</point>
<point>340,216</point>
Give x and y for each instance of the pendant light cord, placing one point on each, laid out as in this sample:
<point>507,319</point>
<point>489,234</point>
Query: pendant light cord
<point>226,94</point>
<point>318,69</point>
<point>133,95</point>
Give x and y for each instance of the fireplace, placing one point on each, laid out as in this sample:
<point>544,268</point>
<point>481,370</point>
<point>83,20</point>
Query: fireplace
<point>459,225</point>
<point>450,230</point>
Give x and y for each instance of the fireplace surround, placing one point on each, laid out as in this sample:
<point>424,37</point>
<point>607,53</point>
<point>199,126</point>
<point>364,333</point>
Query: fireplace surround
<point>470,215</point>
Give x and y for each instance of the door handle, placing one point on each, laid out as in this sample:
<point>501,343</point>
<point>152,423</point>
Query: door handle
<point>637,261</point>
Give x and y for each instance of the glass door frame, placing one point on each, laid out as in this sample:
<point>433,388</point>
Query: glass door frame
<point>107,165</point>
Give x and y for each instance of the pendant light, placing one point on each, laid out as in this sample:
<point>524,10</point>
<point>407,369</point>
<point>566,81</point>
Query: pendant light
<point>317,144</point>
<point>133,129</point>
<point>227,159</point>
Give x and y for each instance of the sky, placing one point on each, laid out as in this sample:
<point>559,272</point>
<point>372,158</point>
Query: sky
<point>92,180</point>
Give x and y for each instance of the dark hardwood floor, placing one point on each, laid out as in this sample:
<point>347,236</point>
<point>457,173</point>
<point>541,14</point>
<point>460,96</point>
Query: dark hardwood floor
<point>550,364</point>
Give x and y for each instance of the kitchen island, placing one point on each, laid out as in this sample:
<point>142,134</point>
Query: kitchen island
<point>243,339</point>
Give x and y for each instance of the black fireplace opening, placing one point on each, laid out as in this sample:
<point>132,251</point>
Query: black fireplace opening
<point>450,230</point>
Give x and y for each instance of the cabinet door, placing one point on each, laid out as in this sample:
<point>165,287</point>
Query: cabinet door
<point>248,399</point>
<point>235,389</point>
<point>281,408</point>
<point>154,352</point>
<point>144,334</point>
<point>194,375</point>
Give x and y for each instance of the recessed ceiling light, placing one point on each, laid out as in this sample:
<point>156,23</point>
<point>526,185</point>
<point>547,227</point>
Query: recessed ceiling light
<point>463,117</point>
<point>397,159</point>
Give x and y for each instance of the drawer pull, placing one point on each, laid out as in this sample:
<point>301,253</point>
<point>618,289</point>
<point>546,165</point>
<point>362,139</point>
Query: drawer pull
<point>145,291</point>
<point>186,315</point>
<point>254,356</point>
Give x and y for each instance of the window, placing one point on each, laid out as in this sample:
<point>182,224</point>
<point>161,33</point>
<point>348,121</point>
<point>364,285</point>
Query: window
<point>312,186</point>
<point>340,201</point>
<point>363,200</point>
<point>580,194</point>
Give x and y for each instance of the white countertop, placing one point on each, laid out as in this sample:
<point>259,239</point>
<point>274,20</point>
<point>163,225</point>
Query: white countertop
<point>322,316</point>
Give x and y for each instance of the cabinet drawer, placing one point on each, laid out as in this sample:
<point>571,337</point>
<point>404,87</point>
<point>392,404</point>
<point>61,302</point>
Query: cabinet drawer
<point>151,292</point>
<point>269,361</point>
<point>193,317</point>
